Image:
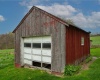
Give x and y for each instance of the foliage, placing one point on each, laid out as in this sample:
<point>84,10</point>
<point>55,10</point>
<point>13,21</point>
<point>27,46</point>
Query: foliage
<point>7,41</point>
<point>70,21</point>
<point>88,59</point>
<point>96,34</point>
<point>71,70</point>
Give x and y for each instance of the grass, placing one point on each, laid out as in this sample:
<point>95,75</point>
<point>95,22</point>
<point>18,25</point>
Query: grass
<point>7,51</point>
<point>94,71</point>
<point>95,52</point>
<point>9,72</point>
<point>95,40</point>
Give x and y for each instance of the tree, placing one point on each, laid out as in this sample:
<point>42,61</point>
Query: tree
<point>70,21</point>
<point>7,41</point>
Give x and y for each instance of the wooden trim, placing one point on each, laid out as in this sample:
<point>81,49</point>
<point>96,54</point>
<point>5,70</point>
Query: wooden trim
<point>22,52</point>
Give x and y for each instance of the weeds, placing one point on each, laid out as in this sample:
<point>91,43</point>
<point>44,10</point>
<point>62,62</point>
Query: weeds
<point>71,70</point>
<point>88,59</point>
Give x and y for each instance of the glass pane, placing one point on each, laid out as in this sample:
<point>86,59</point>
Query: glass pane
<point>82,40</point>
<point>46,45</point>
<point>27,44</point>
<point>36,45</point>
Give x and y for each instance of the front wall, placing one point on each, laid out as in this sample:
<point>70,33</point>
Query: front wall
<point>38,24</point>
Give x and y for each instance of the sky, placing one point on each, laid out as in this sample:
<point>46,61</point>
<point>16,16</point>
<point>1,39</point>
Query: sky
<point>84,13</point>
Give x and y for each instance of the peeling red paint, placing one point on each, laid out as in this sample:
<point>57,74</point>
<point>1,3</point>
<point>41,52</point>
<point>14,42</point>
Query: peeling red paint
<point>51,24</point>
<point>17,65</point>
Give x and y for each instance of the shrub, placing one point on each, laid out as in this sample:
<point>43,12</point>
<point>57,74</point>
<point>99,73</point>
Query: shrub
<point>71,70</point>
<point>88,59</point>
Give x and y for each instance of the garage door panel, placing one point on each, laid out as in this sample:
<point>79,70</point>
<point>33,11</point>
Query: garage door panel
<point>26,40</point>
<point>46,52</point>
<point>27,62</point>
<point>27,50</point>
<point>46,39</point>
<point>37,39</point>
<point>37,58</point>
<point>46,59</point>
<point>36,51</point>
<point>27,56</point>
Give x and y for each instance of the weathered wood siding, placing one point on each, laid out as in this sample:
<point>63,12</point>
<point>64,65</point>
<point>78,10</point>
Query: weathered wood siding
<point>66,41</point>
<point>75,52</point>
<point>39,23</point>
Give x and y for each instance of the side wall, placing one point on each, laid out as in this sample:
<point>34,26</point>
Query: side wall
<point>75,52</point>
<point>39,23</point>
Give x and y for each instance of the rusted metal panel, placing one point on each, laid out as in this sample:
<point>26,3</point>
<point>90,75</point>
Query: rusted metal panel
<point>75,52</point>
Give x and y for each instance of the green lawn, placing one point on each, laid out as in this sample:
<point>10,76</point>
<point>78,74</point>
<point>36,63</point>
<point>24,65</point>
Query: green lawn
<point>95,52</point>
<point>95,40</point>
<point>9,72</point>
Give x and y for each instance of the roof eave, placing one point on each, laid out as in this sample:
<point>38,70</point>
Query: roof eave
<point>53,16</point>
<point>23,19</point>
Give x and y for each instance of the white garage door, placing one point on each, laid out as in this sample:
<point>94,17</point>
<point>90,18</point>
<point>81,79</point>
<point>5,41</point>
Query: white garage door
<point>37,51</point>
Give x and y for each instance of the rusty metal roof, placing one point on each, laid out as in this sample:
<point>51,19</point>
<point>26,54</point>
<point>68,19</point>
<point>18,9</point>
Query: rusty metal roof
<point>48,14</point>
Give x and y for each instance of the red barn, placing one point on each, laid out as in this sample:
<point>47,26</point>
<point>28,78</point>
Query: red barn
<point>48,42</point>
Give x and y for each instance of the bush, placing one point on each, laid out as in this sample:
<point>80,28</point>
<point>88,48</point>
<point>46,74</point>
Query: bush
<point>88,59</point>
<point>71,70</point>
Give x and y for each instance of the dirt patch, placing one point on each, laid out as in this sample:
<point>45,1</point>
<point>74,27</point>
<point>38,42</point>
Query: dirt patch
<point>85,66</point>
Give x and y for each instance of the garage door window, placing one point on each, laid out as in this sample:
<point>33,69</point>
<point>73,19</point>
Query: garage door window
<point>46,45</point>
<point>27,45</point>
<point>36,45</point>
